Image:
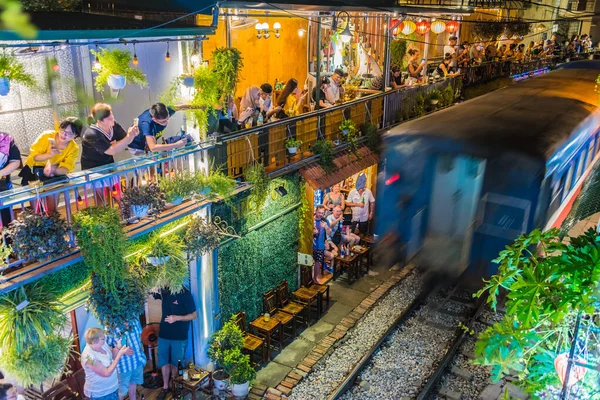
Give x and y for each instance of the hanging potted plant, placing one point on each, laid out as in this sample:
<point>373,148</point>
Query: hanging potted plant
<point>240,372</point>
<point>220,184</point>
<point>259,179</point>
<point>139,200</point>
<point>115,70</point>
<point>167,254</point>
<point>39,237</point>
<point>348,126</point>
<point>292,145</point>
<point>11,70</point>
<point>228,338</point>
<point>201,237</point>
<point>435,96</point>
<point>178,187</point>
<point>227,62</point>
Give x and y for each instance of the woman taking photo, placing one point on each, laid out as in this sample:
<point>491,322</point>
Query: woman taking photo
<point>414,68</point>
<point>100,365</point>
<point>290,100</point>
<point>444,68</point>
<point>323,103</point>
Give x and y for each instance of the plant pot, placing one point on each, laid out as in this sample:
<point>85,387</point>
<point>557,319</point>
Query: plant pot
<point>434,102</point>
<point>177,201</point>
<point>292,150</point>
<point>345,131</point>
<point>240,389</point>
<point>220,379</point>
<point>204,191</point>
<point>188,81</point>
<point>156,261</point>
<point>117,82</point>
<point>4,86</point>
<point>140,211</point>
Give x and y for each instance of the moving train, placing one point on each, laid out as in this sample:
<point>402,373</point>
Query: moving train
<point>462,183</point>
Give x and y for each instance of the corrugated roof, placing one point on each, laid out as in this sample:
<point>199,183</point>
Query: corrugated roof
<point>346,164</point>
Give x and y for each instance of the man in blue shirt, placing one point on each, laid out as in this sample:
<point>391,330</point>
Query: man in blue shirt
<point>131,366</point>
<point>151,124</point>
<point>321,230</point>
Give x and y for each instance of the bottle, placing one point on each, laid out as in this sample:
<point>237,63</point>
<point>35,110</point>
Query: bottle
<point>276,84</point>
<point>179,369</point>
<point>143,398</point>
<point>259,120</point>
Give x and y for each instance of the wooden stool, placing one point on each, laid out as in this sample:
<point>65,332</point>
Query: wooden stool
<point>287,320</point>
<point>307,282</point>
<point>298,310</point>
<point>251,342</point>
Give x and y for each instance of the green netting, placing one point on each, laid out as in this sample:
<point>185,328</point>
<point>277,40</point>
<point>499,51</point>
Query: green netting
<point>587,202</point>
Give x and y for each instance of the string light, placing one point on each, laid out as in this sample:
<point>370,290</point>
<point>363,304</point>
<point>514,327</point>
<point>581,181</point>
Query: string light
<point>301,32</point>
<point>135,59</point>
<point>167,56</point>
<point>97,65</point>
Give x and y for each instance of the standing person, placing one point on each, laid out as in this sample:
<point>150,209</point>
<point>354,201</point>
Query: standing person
<point>334,198</point>
<point>414,67</point>
<point>178,309</point>
<point>451,49</point>
<point>10,161</point>
<point>100,363</point>
<point>335,91</point>
<point>104,137</point>
<point>363,205</point>
<point>151,124</point>
<point>321,230</point>
<point>130,368</point>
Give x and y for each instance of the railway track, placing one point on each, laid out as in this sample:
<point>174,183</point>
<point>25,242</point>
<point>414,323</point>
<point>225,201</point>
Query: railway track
<point>424,338</point>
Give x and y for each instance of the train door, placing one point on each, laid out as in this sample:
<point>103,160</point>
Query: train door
<point>455,193</point>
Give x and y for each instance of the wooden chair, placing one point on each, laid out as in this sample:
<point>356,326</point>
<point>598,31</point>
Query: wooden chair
<point>70,388</point>
<point>251,342</point>
<point>287,320</point>
<point>309,297</point>
<point>307,282</point>
<point>298,310</point>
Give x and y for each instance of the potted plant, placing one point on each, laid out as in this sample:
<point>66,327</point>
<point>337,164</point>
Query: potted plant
<point>12,70</point>
<point>114,69</point>
<point>220,185</point>
<point>201,236</point>
<point>292,145</point>
<point>435,96</point>
<point>448,95</point>
<point>39,237</point>
<point>257,176</point>
<point>227,62</point>
<point>324,148</point>
<point>226,339</point>
<point>240,371</point>
<point>140,199</point>
<point>348,126</point>
<point>5,252</point>
<point>177,187</point>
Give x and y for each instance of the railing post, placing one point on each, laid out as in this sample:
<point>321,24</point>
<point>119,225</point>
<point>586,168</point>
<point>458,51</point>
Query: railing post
<point>318,66</point>
<point>386,68</point>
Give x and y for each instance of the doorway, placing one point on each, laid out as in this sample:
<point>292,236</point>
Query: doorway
<point>455,194</point>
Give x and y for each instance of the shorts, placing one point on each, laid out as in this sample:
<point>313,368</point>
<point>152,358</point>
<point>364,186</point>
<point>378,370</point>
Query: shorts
<point>319,256</point>
<point>113,396</point>
<point>125,379</point>
<point>171,351</point>
<point>363,227</point>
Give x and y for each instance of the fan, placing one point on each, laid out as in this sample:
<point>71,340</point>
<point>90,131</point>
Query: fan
<point>243,23</point>
<point>152,379</point>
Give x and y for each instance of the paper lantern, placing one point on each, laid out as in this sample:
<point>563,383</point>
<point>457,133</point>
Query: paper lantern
<point>577,372</point>
<point>398,27</point>
<point>438,27</point>
<point>423,27</point>
<point>452,26</point>
<point>409,27</point>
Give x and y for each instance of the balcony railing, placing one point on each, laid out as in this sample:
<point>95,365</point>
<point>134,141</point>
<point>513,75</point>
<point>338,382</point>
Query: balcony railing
<point>265,144</point>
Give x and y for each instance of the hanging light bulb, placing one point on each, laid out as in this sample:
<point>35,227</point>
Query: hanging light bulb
<point>346,34</point>
<point>301,32</point>
<point>258,27</point>
<point>167,56</point>
<point>135,59</point>
<point>276,26</point>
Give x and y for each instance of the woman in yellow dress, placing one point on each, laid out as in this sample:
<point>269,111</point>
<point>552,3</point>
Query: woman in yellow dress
<point>290,100</point>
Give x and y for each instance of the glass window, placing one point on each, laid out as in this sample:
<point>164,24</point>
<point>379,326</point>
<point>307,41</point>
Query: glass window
<point>567,186</point>
<point>590,153</point>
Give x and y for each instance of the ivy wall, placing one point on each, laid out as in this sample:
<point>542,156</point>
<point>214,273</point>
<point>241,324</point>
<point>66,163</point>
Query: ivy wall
<point>267,252</point>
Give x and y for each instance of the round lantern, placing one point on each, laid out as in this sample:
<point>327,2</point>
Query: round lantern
<point>452,26</point>
<point>438,27</point>
<point>409,27</point>
<point>423,27</point>
<point>398,27</point>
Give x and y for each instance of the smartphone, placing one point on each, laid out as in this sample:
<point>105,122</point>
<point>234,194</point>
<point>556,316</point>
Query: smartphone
<point>423,60</point>
<point>52,142</point>
<point>135,122</point>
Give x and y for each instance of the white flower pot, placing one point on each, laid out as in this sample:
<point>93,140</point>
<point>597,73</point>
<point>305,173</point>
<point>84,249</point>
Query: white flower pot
<point>434,102</point>
<point>241,389</point>
<point>221,384</point>
<point>117,82</point>
<point>4,86</point>
<point>156,261</point>
<point>188,81</point>
<point>140,211</point>
<point>292,150</point>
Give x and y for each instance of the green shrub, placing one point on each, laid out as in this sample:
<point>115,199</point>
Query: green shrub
<point>257,176</point>
<point>226,339</point>
<point>324,148</point>
<point>38,237</point>
<point>373,141</point>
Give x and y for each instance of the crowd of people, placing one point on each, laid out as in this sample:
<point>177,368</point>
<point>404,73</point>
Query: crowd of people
<point>334,228</point>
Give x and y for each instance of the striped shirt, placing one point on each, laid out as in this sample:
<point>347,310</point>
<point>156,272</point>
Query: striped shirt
<point>133,338</point>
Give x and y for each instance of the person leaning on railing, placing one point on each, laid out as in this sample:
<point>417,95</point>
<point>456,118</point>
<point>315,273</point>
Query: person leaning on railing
<point>10,161</point>
<point>151,124</point>
<point>414,67</point>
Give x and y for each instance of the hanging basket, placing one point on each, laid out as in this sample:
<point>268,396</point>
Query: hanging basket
<point>117,82</point>
<point>156,261</point>
<point>292,150</point>
<point>4,86</point>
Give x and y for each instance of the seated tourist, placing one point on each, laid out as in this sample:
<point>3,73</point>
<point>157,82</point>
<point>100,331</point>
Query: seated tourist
<point>444,69</point>
<point>336,222</point>
<point>290,100</point>
<point>256,100</point>
<point>323,103</point>
<point>335,91</point>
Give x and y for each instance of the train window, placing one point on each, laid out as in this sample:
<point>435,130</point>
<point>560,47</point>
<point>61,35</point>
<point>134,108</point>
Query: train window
<point>580,166</point>
<point>590,153</point>
<point>445,163</point>
<point>568,181</point>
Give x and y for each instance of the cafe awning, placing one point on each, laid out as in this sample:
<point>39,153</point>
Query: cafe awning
<point>347,164</point>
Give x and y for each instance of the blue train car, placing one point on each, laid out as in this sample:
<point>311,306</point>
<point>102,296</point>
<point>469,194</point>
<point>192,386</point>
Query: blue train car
<point>462,183</point>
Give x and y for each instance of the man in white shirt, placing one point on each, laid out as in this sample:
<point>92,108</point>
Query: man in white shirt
<point>450,48</point>
<point>335,90</point>
<point>363,204</point>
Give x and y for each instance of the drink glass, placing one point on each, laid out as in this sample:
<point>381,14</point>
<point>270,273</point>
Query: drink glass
<point>312,106</point>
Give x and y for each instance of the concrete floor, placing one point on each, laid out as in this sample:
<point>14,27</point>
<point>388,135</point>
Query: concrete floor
<point>344,298</point>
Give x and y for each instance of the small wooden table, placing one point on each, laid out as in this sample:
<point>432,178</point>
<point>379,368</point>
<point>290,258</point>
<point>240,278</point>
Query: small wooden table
<point>193,385</point>
<point>370,241</point>
<point>266,328</point>
<point>361,255</point>
<point>350,264</point>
